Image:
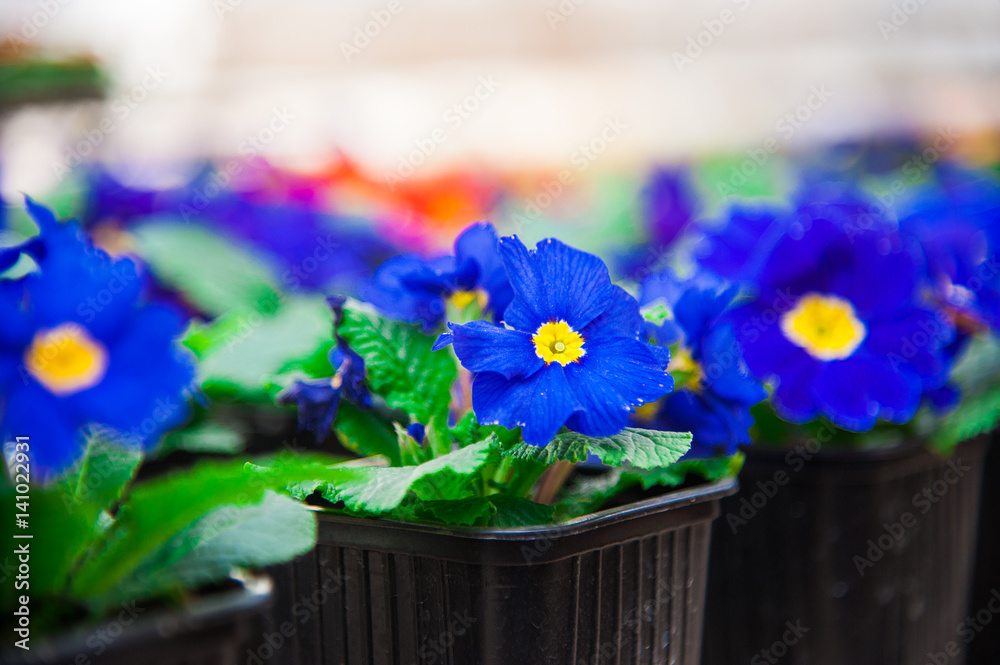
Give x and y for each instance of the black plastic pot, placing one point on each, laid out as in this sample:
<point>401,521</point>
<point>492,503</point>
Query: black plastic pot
<point>621,585</point>
<point>845,558</point>
<point>219,628</point>
<point>985,648</point>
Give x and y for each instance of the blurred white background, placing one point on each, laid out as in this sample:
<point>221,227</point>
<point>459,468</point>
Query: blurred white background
<point>534,81</point>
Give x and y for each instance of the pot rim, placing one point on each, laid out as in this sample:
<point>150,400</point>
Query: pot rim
<point>165,624</point>
<point>703,493</point>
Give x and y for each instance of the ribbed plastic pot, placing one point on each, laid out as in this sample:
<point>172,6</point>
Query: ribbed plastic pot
<point>215,629</point>
<point>985,606</point>
<point>845,558</point>
<point>620,586</point>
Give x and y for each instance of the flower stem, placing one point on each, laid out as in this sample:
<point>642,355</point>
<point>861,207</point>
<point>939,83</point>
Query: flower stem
<point>552,481</point>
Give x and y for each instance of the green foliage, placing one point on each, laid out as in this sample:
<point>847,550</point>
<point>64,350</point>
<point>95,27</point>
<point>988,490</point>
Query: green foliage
<point>277,528</point>
<point>153,514</point>
<point>376,490</point>
<point>468,430</point>
<point>364,433</point>
<point>100,477</point>
<point>205,437</point>
<point>589,493</point>
<point>400,364</point>
<point>496,510</point>
<point>977,375</point>
<point>643,448</point>
<point>242,351</point>
<point>100,537</point>
<point>212,271</point>
<point>975,415</point>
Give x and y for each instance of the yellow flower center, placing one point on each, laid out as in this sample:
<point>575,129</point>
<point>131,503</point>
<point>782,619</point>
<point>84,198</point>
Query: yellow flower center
<point>462,299</point>
<point>686,371</point>
<point>556,341</point>
<point>66,359</point>
<point>827,327</point>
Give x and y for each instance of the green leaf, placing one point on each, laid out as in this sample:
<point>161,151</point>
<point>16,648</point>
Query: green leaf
<point>497,510</point>
<point>589,493</point>
<point>207,437</point>
<point>977,374</point>
<point>468,430</point>
<point>643,448</point>
<point>711,470</point>
<point>61,531</point>
<point>975,415</point>
<point>240,357</point>
<point>568,449</point>
<point>365,433</point>
<point>155,511</point>
<point>274,530</point>
<point>299,475</point>
<point>400,364</point>
<point>211,270</point>
<point>106,468</point>
<point>471,511</point>
<point>512,511</point>
<point>379,490</point>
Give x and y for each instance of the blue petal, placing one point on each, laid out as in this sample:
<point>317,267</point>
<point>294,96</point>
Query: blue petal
<point>539,404</point>
<point>82,283</point>
<point>486,347</point>
<point>800,262</point>
<point>766,350</point>
<point>478,243</point>
<point>553,282</point>
<point>620,318</point>
<point>662,355</point>
<point>15,312</point>
<point>317,402</point>
<point>396,300</point>
<point>697,309</point>
<point>626,367</point>
<point>794,396</point>
<point>32,411</point>
<point>854,392</point>
<point>712,421</point>
<point>416,432</point>
<point>726,371</point>
<point>737,250</point>
<point>915,343</point>
<point>670,203</point>
<point>874,281</point>
<point>42,216</point>
<point>443,340</point>
<point>141,392</point>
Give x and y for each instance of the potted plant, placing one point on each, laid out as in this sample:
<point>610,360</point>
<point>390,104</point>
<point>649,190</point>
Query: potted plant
<point>110,563</point>
<point>852,538</point>
<point>464,531</point>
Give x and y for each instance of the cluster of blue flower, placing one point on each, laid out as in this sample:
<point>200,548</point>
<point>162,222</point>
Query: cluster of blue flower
<point>71,358</point>
<point>845,309</point>
<point>833,304</point>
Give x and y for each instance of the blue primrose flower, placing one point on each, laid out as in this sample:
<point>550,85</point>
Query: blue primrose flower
<point>78,349</point>
<point>957,223</point>
<point>413,289</point>
<point>837,321</point>
<point>715,390</point>
<point>737,248</point>
<point>318,400</point>
<point>669,205</point>
<point>568,353</point>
